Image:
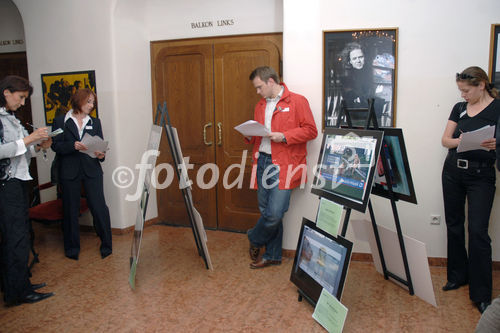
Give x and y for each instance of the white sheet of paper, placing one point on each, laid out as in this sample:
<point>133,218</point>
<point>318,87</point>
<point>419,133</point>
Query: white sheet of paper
<point>416,253</point>
<point>472,140</point>
<point>93,143</point>
<point>252,128</point>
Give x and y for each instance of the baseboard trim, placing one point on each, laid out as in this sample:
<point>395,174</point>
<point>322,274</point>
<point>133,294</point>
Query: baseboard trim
<point>364,257</point>
<point>117,231</point>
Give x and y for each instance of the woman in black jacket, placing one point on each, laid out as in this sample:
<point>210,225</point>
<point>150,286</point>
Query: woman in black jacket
<point>77,167</point>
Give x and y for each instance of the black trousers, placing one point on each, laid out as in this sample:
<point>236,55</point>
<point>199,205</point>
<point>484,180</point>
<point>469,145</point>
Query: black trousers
<point>474,266</point>
<point>71,193</point>
<point>15,245</point>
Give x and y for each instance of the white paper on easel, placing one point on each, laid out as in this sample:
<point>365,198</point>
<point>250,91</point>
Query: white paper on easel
<point>416,254</point>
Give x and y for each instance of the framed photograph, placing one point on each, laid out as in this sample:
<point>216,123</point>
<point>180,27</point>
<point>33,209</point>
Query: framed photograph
<point>346,165</point>
<point>59,87</point>
<point>358,65</point>
<point>494,67</point>
<point>321,261</point>
<point>393,146</point>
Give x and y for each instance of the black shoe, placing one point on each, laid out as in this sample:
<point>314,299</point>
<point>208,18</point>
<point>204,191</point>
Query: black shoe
<point>481,306</point>
<point>452,285</point>
<point>32,297</point>
<point>38,286</point>
<point>72,256</point>
<point>104,254</point>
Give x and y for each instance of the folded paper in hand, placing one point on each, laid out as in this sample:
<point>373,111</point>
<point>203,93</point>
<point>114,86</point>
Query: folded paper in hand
<point>252,128</point>
<point>56,132</point>
<point>472,140</point>
<point>93,144</point>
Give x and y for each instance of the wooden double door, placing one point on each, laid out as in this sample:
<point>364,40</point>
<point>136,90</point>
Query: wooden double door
<point>205,83</point>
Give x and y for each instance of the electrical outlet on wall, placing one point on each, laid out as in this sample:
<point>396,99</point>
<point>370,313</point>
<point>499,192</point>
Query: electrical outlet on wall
<point>436,219</point>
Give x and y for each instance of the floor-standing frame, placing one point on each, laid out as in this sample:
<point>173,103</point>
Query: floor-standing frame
<point>181,171</point>
<point>162,121</point>
<point>371,123</point>
<point>144,188</point>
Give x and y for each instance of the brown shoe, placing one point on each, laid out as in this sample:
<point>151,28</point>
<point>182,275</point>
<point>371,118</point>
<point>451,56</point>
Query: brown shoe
<point>254,252</point>
<point>264,263</point>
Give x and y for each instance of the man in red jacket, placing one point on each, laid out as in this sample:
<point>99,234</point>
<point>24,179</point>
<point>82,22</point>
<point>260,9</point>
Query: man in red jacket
<point>279,160</point>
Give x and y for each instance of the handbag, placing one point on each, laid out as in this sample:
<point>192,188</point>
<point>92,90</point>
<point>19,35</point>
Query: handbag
<point>4,162</point>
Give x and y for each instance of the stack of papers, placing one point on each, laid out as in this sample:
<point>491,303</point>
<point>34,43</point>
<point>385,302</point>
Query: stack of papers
<point>472,140</point>
<point>252,128</point>
<point>93,144</point>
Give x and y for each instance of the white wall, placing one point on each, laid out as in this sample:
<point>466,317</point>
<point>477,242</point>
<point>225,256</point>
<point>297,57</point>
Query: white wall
<point>112,37</point>
<point>436,40</point>
<point>66,36</point>
<point>11,28</point>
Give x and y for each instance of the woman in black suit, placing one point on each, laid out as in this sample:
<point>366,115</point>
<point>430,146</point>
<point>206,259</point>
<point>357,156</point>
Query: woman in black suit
<point>77,167</point>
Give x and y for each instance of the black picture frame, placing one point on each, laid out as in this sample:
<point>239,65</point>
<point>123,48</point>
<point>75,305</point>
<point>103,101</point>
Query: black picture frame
<point>400,177</point>
<point>346,166</point>
<point>321,261</point>
<point>494,70</point>
<point>58,88</point>
<point>349,79</point>
<point>180,168</point>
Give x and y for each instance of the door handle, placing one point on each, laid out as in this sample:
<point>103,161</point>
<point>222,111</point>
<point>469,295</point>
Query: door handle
<point>205,134</point>
<point>219,125</point>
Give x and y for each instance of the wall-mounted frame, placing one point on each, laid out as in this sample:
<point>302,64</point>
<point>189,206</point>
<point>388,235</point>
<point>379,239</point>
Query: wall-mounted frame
<point>346,166</point>
<point>494,66</point>
<point>399,173</point>
<point>59,87</point>
<point>357,65</point>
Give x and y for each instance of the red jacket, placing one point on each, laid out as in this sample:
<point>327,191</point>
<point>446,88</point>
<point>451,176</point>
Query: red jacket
<point>292,117</point>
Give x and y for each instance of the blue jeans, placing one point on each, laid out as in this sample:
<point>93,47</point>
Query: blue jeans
<point>273,203</point>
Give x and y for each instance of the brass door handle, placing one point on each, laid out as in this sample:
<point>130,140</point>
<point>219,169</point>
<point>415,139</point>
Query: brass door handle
<point>205,134</point>
<point>219,125</point>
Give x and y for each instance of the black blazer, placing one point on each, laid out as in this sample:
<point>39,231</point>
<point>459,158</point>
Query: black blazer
<point>72,162</point>
<point>498,144</point>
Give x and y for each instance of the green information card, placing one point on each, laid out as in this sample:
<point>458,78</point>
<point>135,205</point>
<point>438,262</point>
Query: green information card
<point>330,313</point>
<point>329,215</point>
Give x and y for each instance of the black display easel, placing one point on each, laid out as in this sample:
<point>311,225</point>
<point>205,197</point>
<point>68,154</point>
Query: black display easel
<point>186,191</point>
<point>372,119</point>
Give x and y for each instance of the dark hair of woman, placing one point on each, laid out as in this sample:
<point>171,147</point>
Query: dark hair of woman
<point>13,83</point>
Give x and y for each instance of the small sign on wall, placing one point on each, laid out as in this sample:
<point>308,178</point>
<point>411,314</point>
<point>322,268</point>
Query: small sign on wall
<point>12,45</point>
<point>212,23</point>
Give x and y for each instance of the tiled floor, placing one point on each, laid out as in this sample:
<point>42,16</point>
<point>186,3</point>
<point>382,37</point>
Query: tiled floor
<point>176,293</point>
